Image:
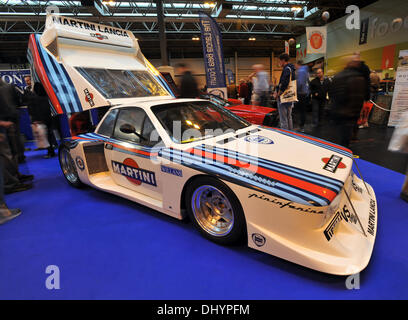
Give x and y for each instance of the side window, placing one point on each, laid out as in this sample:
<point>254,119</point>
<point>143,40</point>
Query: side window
<point>106,128</point>
<point>150,133</point>
<point>131,116</point>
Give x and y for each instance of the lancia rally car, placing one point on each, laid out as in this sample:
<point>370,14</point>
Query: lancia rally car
<point>281,192</point>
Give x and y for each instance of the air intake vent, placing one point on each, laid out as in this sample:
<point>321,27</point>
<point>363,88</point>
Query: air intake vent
<point>53,48</point>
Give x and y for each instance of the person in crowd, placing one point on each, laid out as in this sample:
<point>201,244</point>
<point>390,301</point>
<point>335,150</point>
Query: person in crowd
<point>12,102</point>
<point>261,85</point>
<point>374,85</point>
<point>388,77</point>
<point>319,87</point>
<point>6,214</point>
<point>303,93</point>
<point>288,74</point>
<point>365,72</point>
<point>243,91</point>
<point>39,110</point>
<point>250,90</point>
<point>11,179</point>
<point>28,91</point>
<point>347,93</point>
<point>188,85</point>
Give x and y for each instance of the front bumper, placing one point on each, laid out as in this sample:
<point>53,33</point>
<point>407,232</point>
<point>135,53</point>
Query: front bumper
<point>341,243</point>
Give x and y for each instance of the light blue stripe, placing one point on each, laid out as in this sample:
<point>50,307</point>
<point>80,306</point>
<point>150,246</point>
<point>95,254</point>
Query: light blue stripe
<point>53,75</point>
<point>337,185</point>
<point>281,185</point>
<point>70,91</point>
<point>224,169</point>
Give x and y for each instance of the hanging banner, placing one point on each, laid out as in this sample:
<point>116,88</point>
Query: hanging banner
<point>364,31</point>
<point>286,47</point>
<point>399,104</point>
<point>15,77</point>
<point>213,56</point>
<point>316,39</point>
<point>388,56</point>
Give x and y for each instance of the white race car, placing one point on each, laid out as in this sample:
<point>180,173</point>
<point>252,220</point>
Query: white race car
<point>284,193</point>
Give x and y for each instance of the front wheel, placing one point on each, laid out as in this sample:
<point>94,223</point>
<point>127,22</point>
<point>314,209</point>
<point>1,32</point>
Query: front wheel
<point>215,211</point>
<point>68,167</point>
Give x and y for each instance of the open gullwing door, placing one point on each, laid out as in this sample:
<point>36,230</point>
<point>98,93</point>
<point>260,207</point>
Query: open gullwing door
<point>84,65</point>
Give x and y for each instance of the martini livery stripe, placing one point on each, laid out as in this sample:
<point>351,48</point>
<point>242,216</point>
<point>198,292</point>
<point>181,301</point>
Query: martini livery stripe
<point>246,179</point>
<point>41,73</point>
<point>332,184</point>
<point>274,183</point>
<point>318,142</point>
<point>134,150</point>
<point>325,194</point>
<point>59,79</point>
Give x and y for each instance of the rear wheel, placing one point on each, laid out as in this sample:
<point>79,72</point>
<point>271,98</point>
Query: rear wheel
<point>215,211</point>
<point>68,167</point>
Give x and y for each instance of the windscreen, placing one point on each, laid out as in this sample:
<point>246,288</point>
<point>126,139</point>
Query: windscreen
<point>116,84</point>
<point>190,121</point>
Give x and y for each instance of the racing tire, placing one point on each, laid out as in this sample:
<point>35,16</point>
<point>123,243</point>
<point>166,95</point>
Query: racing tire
<point>68,167</point>
<point>215,211</point>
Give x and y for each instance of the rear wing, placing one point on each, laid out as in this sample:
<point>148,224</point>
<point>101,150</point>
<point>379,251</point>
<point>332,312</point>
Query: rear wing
<point>81,64</point>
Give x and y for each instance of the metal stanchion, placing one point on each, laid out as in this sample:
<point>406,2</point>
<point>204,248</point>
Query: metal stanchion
<point>355,212</point>
<point>359,172</point>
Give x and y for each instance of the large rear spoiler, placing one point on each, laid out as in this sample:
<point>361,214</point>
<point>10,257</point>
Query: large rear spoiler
<point>68,44</point>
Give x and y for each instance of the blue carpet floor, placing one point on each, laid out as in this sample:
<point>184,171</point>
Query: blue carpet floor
<point>110,248</point>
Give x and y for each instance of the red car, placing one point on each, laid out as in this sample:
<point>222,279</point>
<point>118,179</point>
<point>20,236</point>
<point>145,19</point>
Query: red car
<point>255,114</point>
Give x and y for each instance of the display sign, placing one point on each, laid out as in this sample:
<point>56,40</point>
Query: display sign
<point>213,56</point>
<point>15,77</point>
<point>364,31</point>
<point>286,47</point>
<point>67,27</point>
<point>399,104</point>
<point>316,39</point>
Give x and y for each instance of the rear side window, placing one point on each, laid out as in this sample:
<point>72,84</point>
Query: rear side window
<point>134,117</point>
<point>106,128</point>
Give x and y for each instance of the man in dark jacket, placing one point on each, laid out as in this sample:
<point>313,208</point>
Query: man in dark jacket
<point>188,85</point>
<point>364,70</point>
<point>285,109</point>
<point>13,180</point>
<point>319,87</point>
<point>347,93</point>
<point>39,109</point>
<point>12,100</point>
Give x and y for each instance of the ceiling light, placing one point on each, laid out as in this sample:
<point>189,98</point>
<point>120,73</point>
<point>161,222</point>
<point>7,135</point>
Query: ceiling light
<point>109,2</point>
<point>252,39</point>
<point>295,8</point>
<point>195,38</point>
<point>209,4</point>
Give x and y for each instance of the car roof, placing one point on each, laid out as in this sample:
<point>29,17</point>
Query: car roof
<point>150,103</point>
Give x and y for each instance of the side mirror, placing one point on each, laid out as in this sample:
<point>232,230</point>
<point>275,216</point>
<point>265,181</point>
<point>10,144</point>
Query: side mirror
<point>127,128</point>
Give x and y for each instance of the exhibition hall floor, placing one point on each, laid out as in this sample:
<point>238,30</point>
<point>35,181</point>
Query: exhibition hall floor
<point>107,247</point>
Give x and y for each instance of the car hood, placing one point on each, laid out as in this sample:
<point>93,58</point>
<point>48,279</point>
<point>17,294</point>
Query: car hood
<point>286,164</point>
